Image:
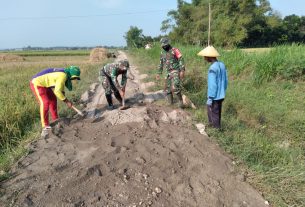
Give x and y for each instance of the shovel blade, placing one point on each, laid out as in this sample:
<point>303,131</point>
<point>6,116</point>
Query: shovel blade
<point>124,107</point>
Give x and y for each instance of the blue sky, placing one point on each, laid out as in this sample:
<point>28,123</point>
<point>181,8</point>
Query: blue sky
<point>90,22</point>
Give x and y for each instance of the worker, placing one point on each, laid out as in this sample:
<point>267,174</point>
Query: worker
<point>171,59</point>
<point>47,86</point>
<point>217,85</point>
<point>108,76</point>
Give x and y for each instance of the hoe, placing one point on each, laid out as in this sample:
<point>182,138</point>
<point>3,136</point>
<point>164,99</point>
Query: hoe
<point>123,107</point>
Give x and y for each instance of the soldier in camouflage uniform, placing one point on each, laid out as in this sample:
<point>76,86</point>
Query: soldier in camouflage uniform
<point>171,59</point>
<point>108,76</point>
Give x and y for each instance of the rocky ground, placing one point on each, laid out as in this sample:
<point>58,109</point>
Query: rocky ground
<point>147,155</point>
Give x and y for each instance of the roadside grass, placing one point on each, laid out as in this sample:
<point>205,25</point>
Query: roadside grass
<point>257,50</point>
<point>263,115</point>
<point>19,111</point>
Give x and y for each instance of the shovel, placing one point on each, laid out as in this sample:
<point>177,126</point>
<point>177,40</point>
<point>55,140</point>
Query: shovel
<point>58,124</point>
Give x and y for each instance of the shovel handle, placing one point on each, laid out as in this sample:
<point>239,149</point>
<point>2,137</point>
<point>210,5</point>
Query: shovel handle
<point>77,111</point>
<point>123,101</point>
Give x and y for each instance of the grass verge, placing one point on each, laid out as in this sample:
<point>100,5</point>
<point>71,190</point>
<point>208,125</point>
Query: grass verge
<point>263,114</point>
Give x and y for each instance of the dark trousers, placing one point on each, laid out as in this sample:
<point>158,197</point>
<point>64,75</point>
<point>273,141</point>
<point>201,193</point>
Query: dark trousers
<point>214,113</point>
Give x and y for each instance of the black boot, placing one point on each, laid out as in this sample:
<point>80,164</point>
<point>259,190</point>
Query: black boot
<point>170,99</point>
<point>109,100</point>
<point>118,96</point>
<point>180,100</point>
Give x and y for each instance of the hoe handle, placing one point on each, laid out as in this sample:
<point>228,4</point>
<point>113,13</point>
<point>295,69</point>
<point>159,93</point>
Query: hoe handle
<point>77,111</point>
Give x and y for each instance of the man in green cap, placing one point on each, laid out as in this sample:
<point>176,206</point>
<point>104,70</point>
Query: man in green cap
<point>108,76</point>
<point>47,86</point>
<point>171,59</point>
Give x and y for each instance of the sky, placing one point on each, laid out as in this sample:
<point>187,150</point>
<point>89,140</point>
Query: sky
<point>49,23</point>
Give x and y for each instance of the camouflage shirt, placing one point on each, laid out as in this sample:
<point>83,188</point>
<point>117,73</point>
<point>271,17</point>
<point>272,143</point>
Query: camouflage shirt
<point>171,60</point>
<point>112,71</point>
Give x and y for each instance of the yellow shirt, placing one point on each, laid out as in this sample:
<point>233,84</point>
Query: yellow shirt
<point>55,80</point>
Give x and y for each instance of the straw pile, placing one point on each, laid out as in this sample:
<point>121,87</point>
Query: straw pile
<point>98,54</point>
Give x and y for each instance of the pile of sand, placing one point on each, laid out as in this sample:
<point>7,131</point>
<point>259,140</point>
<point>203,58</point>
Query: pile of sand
<point>98,54</point>
<point>10,58</point>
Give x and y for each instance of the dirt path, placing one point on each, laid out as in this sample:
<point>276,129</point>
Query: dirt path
<point>147,155</point>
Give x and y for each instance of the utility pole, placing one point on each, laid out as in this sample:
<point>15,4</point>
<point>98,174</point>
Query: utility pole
<point>209,33</point>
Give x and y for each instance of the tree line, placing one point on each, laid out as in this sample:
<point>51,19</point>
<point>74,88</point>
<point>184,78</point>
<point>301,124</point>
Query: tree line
<point>234,23</point>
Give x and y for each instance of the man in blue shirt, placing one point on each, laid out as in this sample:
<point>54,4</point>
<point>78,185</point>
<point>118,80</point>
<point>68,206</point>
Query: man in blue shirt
<point>217,85</point>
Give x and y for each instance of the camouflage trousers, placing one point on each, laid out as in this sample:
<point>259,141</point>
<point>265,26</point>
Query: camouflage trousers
<point>173,83</point>
<point>107,85</point>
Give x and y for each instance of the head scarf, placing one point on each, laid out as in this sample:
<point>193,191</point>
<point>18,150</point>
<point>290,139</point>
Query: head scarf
<point>71,72</point>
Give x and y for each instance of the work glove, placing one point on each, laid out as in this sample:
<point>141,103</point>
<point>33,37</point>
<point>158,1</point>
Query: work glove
<point>209,102</point>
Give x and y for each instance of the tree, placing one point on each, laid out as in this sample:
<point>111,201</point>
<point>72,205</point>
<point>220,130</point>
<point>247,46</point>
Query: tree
<point>134,37</point>
<point>234,23</point>
<point>183,25</point>
<point>295,28</point>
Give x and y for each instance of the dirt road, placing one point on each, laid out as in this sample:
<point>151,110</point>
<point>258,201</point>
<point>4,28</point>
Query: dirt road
<point>147,155</point>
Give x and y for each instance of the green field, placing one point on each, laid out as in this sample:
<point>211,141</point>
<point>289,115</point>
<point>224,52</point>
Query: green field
<point>263,115</point>
<point>19,112</point>
<point>50,53</point>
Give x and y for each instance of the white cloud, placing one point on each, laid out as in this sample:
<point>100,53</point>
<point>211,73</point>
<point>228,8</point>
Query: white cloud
<point>109,4</point>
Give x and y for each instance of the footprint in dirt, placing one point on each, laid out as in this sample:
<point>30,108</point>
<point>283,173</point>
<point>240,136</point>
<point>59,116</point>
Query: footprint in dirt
<point>121,141</point>
<point>95,170</point>
<point>28,201</point>
<point>113,144</point>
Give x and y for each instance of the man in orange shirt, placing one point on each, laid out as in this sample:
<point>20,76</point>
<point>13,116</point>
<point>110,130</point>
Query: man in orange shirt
<point>47,86</point>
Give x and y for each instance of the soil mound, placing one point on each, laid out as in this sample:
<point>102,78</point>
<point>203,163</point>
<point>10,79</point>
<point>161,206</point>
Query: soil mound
<point>10,58</point>
<point>98,54</point>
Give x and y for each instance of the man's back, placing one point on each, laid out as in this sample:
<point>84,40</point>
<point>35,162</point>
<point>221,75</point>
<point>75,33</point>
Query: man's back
<point>217,80</point>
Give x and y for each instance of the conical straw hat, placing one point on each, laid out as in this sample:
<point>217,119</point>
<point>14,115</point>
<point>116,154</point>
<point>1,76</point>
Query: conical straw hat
<point>209,51</point>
